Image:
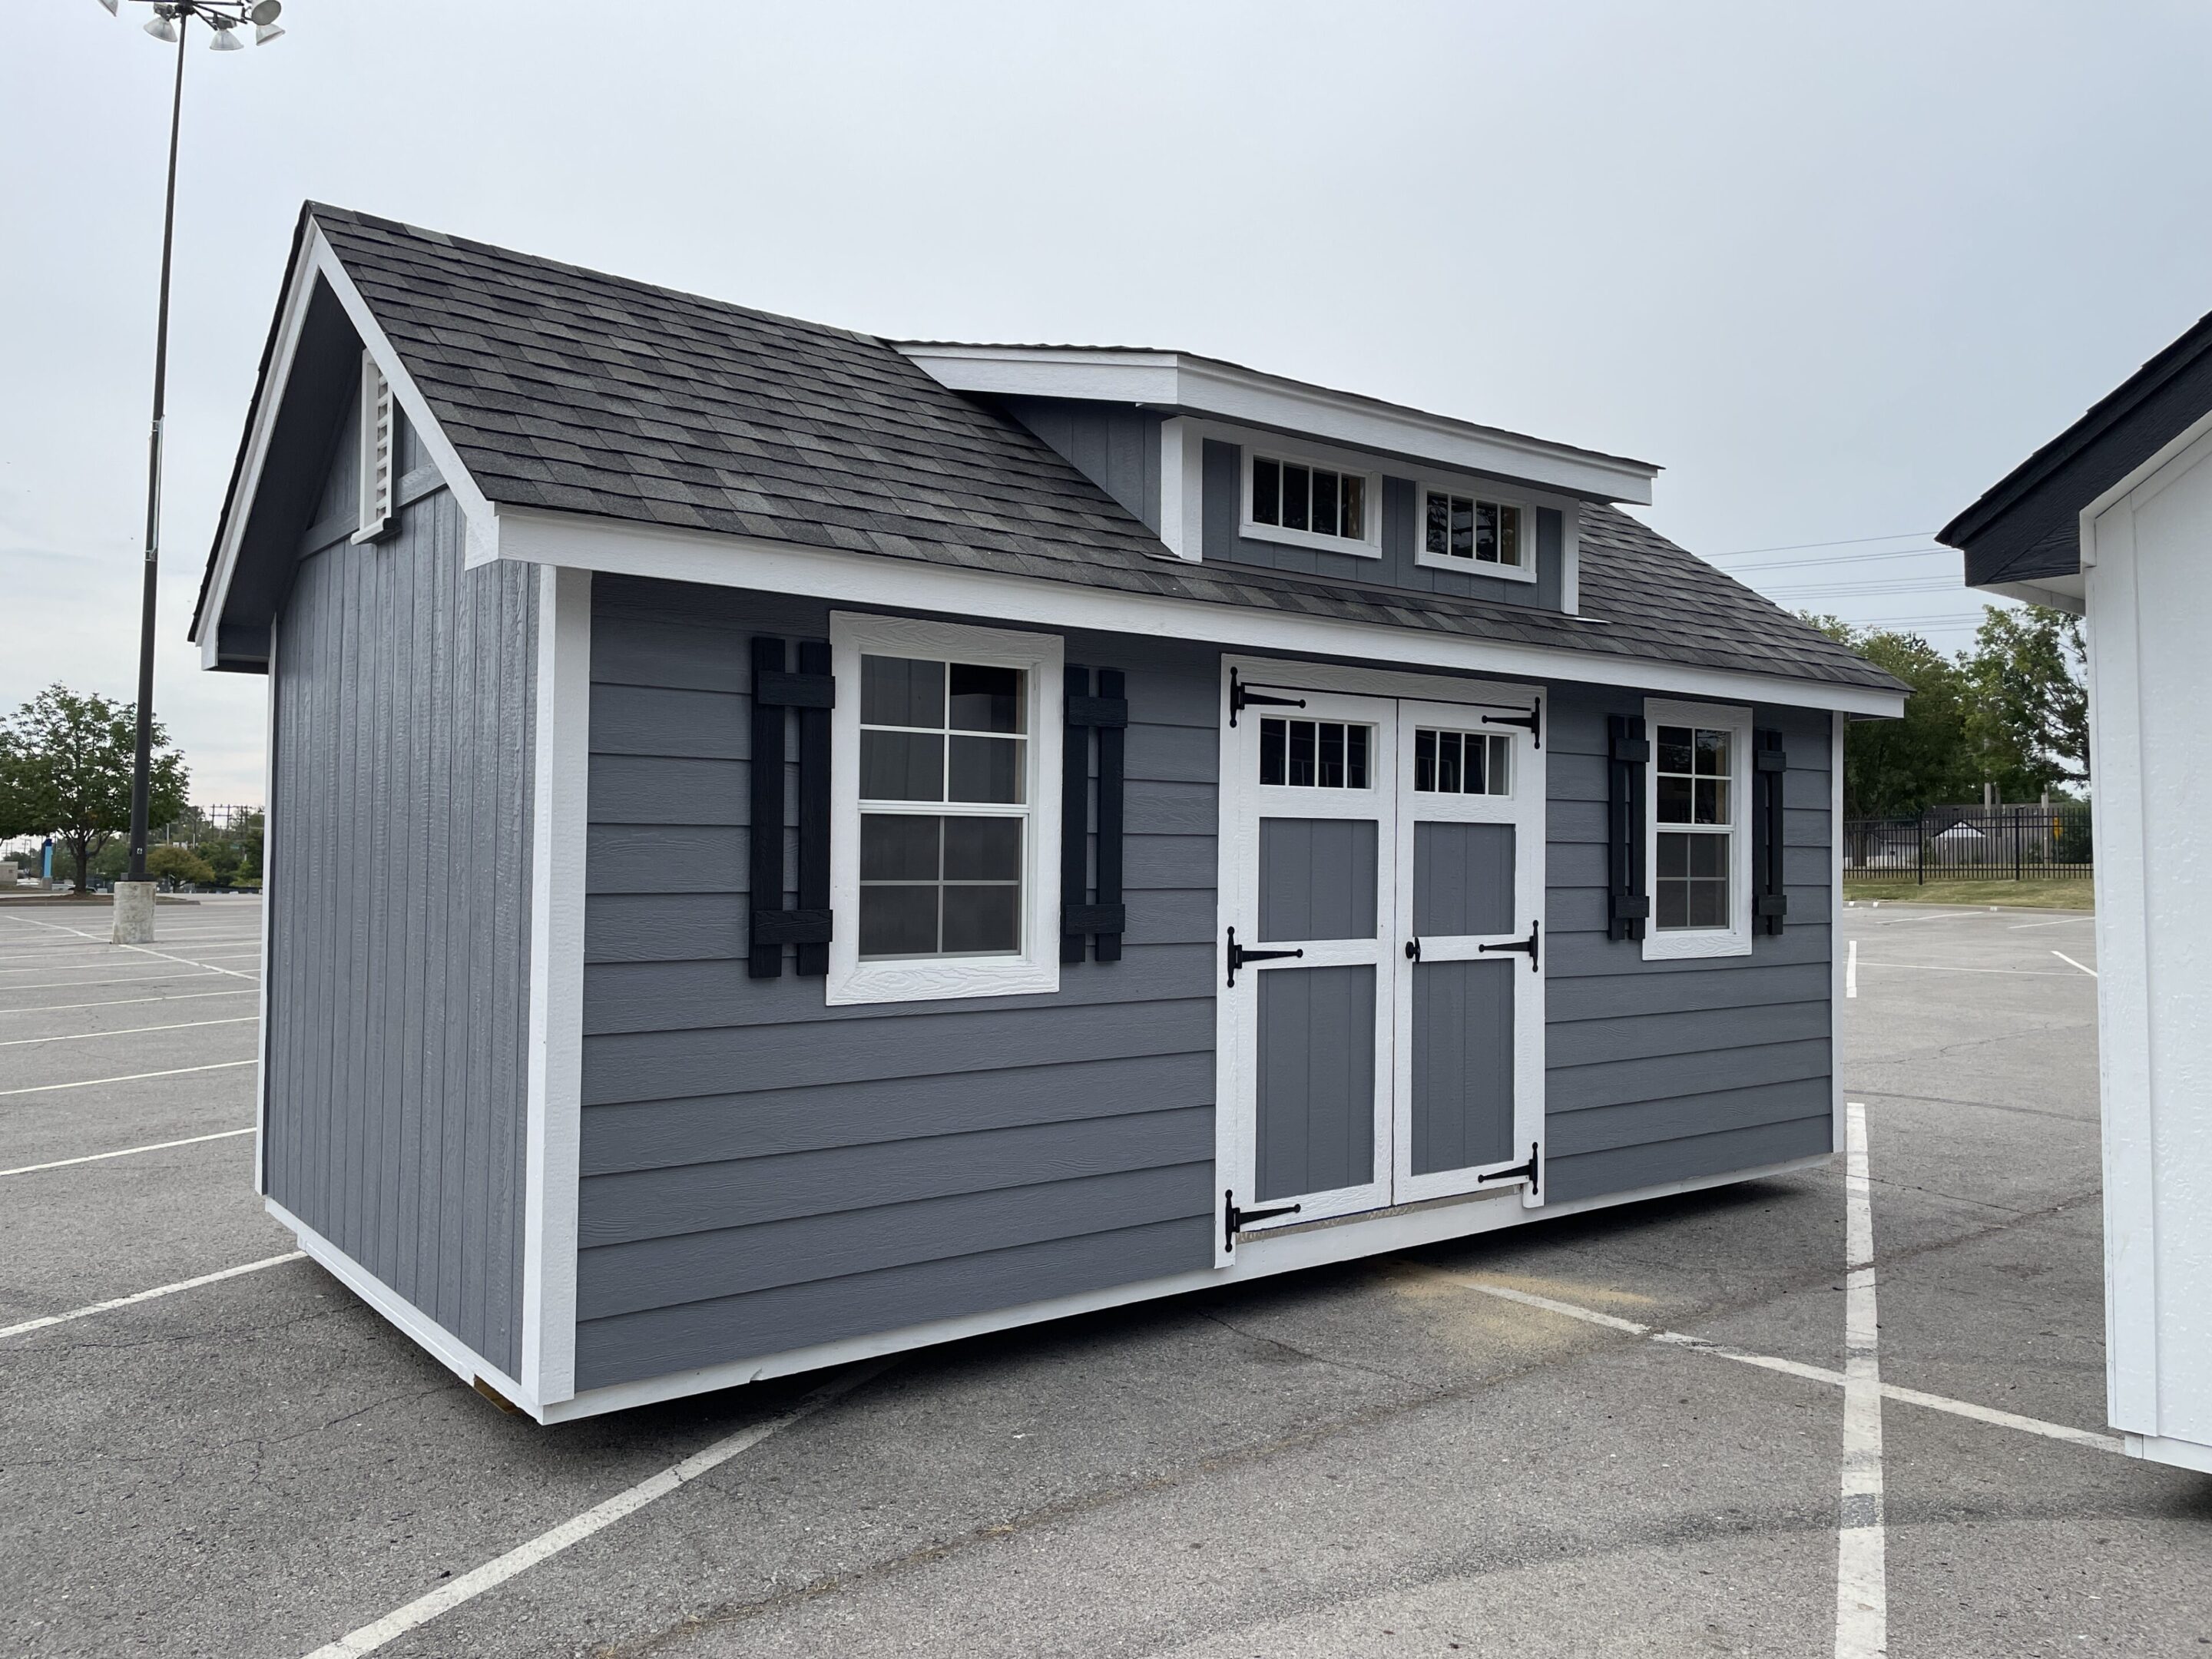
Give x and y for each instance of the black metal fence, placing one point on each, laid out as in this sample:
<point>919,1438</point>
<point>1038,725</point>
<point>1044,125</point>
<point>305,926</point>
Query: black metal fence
<point>1969,843</point>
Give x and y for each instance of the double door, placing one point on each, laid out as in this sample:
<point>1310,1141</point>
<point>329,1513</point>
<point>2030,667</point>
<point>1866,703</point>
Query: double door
<point>1381,993</point>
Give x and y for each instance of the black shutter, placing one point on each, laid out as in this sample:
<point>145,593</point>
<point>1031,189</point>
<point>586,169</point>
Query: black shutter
<point>812,692</point>
<point>1628,904</point>
<point>1103,917</point>
<point>1770,904</point>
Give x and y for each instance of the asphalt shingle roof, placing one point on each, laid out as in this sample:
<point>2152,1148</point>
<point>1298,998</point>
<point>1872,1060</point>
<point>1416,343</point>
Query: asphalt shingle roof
<point>570,390</point>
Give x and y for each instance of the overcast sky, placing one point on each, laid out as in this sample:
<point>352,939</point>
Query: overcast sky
<point>1835,268</point>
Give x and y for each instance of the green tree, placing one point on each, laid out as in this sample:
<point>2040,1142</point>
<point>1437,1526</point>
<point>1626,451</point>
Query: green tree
<point>65,763</point>
<point>2029,723</point>
<point>1893,769</point>
<point>170,862</point>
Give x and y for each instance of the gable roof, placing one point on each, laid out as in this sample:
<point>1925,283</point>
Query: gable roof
<point>570,390</point>
<point>2027,525</point>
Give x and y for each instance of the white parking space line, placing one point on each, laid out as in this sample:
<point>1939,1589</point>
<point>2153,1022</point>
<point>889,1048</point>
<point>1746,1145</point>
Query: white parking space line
<point>148,1296</point>
<point>2070,963</point>
<point>2022,926</point>
<point>51,984</point>
<point>126,1151</point>
<point>1862,1584</point>
<point>127,1030</point>
<point>133,1077</point>
<point>119,1002</point>
<point>1946,967</point>
<point>1851,971</point>
<point>141,949</point>
<point>598,1518</point>
<point>1934,1402</point>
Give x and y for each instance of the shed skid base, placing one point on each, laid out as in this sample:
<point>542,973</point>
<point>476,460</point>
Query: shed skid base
<point>2181,1454</point>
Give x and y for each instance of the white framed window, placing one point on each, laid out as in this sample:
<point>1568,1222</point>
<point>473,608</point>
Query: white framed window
<point>1697,847</point>
<point>944,810</point>
<point>1307,502</point>
<point>1296,754</point>
<point>376,459</point>
<point>1462,763</point>
<point>1467,527</point>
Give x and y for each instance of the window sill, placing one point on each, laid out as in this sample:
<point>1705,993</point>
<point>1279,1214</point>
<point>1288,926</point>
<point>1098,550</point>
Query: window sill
<point>1684,943</point>
<point>1504,573</point>
<point>1251,532</point>
<point>936,981</point>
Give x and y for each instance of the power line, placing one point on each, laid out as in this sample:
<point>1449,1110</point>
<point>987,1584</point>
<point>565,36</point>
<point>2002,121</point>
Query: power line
<point>1869,590</point>
<point>1839,558</point>
<point>1799,547</point>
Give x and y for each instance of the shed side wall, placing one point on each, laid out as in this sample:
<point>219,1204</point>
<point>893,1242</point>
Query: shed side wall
<point>398,930</point>
<point>762,1172</point>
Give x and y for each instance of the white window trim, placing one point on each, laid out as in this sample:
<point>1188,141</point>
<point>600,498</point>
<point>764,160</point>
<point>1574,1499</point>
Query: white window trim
<point>1037,968</point>
<point>376,463</point>
<point>1523,572</point>
<point>1366,546</point>
<point>1733,940</point>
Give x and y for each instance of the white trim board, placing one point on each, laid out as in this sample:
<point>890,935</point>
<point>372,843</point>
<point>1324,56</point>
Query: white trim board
<point>552,1157</point>
<point>268,907</point>
<point>619,547</point>
<point>1260,1256</point>
<point>1200,385</point>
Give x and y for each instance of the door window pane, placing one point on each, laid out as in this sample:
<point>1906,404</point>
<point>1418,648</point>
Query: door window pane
<point>1298,494</point>
<point>1462,763</point>
<point>1316,754</point>
<point>1354,522</point>
<point>1267,492</point>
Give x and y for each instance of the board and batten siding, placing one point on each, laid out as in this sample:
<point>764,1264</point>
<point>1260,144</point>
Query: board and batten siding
<point>399,895</point>
<point>762,1172</point>
<point>1117,449</point>
<point>1659,1072</point>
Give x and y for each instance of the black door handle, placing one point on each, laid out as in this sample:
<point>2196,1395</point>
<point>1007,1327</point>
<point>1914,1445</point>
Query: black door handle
<point>1531,944</point>
<point>1412,950</point>
<point>1238,955</point>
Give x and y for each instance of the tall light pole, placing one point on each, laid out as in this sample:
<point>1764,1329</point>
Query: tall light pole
<point>170,24</point>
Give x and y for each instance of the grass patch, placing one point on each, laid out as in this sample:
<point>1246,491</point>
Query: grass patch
<point>2045,895</point>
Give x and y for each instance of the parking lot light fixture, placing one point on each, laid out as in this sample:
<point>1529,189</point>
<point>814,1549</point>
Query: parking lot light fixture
<point>171,24</point>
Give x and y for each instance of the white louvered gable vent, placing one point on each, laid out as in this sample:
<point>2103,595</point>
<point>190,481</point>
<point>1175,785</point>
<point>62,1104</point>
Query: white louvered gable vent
<point>377,461</point>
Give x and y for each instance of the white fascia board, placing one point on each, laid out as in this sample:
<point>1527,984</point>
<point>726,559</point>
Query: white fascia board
<point>318,259</point>
<point>1258,1255</point>
<point>1200,385</point>
<point>585,543</point>
<point>2057,593</point>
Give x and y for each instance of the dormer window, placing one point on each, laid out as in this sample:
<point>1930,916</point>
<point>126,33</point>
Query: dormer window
<point>1473,532</point>
<point>376,460</point>
<point>1310,503</point>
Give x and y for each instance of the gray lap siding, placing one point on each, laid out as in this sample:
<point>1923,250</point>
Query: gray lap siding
<point>1672,1070</point>
<point>761,1171</point>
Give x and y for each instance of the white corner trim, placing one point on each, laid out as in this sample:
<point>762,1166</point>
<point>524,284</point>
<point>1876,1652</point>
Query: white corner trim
<point>1036,968</point>
<point>1258,1255</point>
<point>318,260</point>
<point>1837,727</point>
<point>1570,558</point>
<point>1203,385</point>
<point>1182,488</point>
<point>553,1130</point>
<point>448,1350</point>
<point>1733,940</point>
<point>2161,1449</point>
<point>268,900</point>
<point>871,578</point>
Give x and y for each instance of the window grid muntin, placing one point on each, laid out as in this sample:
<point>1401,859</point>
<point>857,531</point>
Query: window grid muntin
<point>1313,501</point>
<point>956,713</point>
<point>1693,802</point>
<point>1447,761</point>
<point>1317,754</point>
<point>1472,530</point>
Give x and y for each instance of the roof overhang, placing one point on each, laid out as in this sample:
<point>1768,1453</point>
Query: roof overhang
<point>1179,383</point>
<point>308,369</point>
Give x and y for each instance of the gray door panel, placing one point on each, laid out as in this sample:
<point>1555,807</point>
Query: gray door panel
<point>1318,879</point>
<point>1316,1105</point>
<point>1463,879</point>
<point>1462,1104</point>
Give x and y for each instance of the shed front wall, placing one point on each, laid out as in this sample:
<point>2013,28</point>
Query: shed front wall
<point>762,1172</point>
<point>399,887</point>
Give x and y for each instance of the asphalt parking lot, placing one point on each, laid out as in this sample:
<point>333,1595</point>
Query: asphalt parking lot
<point>1619,1434</point>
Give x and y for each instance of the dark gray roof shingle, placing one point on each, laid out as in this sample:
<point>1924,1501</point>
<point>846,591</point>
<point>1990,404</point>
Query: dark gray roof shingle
<point>568,389</point>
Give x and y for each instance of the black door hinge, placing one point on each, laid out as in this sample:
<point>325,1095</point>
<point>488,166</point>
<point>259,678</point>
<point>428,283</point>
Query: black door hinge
<point>1528,1170</point>
<point>1238,955</point>
<point>1241,697</point>
<point>1531,944</point>
<point>1532,721</point>
<point>1234,1220</point>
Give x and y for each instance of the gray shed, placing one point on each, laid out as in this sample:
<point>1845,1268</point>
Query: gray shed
<point>786,845</point>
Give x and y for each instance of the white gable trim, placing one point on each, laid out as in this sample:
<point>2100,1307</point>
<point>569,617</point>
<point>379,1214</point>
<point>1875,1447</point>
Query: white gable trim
<point>619,547</point>
<point>318,259</point>
<point>1202,386</point>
